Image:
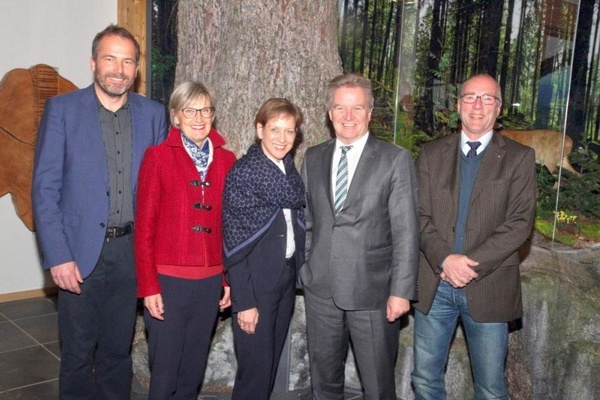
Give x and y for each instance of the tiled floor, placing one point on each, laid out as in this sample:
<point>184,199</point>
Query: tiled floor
<point>30,355</point>
<point>29,350</point>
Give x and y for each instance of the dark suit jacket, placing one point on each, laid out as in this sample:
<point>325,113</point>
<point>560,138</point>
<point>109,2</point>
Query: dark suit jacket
<point>70,178</point>
<point>500,218</point>
<point>370,250</point>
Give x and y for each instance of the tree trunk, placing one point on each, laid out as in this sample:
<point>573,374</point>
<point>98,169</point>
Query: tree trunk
<point>247,52</point>
<point>490,37</point>
<point>351,66</point>
<point>373,46</point>
<point>591,130</point>
<point>433,62</point>
<point>580,81</point>
<point>537,72</point>
<point>344,35</point>
<point>516,70</point>
<point>459,67</point>
<point>365,35</point>
<point>506,51</point>
<point>384,46</point>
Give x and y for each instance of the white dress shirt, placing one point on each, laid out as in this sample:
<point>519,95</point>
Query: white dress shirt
<point>290,246</point>
<point>484,140</point>
<point>353,156</point>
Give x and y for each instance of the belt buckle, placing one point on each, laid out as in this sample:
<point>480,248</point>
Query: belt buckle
<point>114,232</point>
<point>111,233</point>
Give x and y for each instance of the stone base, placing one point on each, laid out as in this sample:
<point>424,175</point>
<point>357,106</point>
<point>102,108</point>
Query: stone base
<point>554,351</point>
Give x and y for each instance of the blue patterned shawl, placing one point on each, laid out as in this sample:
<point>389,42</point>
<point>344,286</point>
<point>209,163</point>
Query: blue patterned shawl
<point>255,191</point>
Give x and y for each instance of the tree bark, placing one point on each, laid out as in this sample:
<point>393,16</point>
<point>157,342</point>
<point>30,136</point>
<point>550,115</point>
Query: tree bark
<point>247,52</point>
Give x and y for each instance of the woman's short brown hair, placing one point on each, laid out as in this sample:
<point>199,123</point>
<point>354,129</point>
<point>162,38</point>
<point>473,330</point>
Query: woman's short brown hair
<point>275,107</point>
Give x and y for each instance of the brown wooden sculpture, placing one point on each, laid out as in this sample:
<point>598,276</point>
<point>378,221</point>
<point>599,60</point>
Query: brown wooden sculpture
<point>23,93</point>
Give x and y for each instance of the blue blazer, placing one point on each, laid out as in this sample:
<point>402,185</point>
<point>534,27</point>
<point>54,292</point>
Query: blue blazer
<point>70,175</point>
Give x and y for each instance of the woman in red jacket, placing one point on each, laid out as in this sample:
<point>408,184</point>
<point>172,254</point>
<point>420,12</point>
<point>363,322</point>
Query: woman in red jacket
<point>178,243</point>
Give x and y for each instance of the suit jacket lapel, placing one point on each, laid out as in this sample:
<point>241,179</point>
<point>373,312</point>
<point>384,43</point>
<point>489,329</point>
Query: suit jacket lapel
<point>494,153</point>
<point>138,121</point>
<point>91,116</point>
<point>450,169</point>
<point>362,173</point>
<point>327,169</point>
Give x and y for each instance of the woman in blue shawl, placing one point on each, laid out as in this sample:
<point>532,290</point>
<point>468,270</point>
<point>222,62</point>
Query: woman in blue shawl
<point>264,232</point>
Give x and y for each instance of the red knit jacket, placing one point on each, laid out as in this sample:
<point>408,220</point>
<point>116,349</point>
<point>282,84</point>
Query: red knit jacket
<point>174,225</point>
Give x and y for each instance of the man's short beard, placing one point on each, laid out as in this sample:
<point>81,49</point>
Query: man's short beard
<point>101,82</point>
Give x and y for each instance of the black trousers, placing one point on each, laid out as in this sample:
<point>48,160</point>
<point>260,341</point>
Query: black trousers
<point>96,328</point>
<point>178,346</point>
<point>258,354</point>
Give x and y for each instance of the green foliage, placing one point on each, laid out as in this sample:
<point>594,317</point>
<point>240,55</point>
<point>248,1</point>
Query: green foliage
<point>515,121</point>
<point>380,125</point>
<point>581,194</point>
<point>163,75</point>
<point>578,204</point>
<point>449,118</point>
<point>590,230</point>
<point>409,135</point>
<point>544,226</point>
<point>546,193</point>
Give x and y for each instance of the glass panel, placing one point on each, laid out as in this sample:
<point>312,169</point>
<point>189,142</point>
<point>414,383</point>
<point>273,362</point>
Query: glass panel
<point>418,52</point>
<point>530,46</point>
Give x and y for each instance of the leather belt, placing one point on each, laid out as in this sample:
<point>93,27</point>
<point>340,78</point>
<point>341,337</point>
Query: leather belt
<point>113,232</point>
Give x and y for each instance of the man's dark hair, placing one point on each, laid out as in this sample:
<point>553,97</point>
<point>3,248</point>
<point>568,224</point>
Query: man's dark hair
<point>115,30</point>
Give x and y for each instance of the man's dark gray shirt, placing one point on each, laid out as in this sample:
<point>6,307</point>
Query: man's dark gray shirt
<point>116,130</point>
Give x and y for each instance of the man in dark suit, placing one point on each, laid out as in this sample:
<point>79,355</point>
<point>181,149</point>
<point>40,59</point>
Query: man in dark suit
<point>477,202</point>
<point>362,246</point>
<point>90,144</point>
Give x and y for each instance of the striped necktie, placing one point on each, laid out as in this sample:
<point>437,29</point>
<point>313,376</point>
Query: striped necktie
<point>341,180</point>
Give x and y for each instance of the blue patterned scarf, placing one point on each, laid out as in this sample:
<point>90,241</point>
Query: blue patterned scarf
<point>255,191</point>
<point>200,156</point>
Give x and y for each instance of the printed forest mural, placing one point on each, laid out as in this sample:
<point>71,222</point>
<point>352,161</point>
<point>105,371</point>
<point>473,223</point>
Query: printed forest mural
<point>544,54</point>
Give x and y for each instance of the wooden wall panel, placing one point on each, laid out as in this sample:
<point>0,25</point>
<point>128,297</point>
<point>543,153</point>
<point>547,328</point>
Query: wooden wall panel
<point>132,15</point>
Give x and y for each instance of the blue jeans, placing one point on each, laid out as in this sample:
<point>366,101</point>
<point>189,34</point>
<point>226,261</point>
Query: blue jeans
<point>487,343</point>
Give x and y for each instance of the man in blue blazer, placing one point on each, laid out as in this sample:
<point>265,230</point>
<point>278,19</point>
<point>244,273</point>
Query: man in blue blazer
<point>90,144</point>
<point>362,246</point>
